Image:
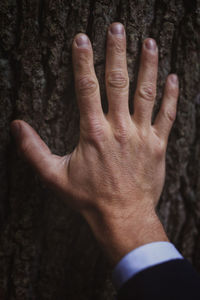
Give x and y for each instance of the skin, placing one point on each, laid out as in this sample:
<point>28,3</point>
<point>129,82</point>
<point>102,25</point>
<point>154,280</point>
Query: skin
<point>115,176</point>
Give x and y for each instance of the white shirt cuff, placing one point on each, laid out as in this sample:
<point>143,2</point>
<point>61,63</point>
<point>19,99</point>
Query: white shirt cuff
<point>142,258</point>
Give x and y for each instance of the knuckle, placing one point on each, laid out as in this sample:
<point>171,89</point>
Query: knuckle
<point>93,132</point>
<point>86,85</point>
<point>170,114</point>
<point>143,135</point>
<point>117,80</point>
<point>147,92</point>
<point>117,44</point>
<point>119,47</point>
<point>95,135</point>
<point>159,149</point>
<point>121,134</point>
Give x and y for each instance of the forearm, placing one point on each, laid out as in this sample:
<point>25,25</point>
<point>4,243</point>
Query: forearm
<point>119,234</point>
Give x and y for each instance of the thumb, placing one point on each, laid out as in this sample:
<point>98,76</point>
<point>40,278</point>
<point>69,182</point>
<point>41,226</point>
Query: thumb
<point>36,152</point>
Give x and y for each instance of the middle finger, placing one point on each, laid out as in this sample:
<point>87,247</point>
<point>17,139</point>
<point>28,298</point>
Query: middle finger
<point>117,81</point>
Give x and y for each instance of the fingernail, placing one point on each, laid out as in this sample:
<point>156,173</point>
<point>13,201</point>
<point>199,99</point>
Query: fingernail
<point>117,28</point>
<point>15,129</point>
<point>82,41</point>
<point>174,78</point>
<point>150,44</point>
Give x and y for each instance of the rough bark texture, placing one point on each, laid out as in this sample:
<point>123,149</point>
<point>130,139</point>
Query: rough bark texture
<point>46,250</point>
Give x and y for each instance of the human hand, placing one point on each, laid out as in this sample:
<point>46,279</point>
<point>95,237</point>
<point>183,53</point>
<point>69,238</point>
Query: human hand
<point>115,176</point>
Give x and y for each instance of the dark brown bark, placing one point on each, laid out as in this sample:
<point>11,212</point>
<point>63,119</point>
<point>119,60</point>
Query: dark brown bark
<point>46,250</point>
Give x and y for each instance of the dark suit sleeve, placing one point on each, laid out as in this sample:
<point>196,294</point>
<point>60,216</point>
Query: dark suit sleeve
<point>171,280</point>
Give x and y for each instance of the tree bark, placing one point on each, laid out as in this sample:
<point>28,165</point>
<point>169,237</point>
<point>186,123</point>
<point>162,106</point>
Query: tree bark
<point>47,250</point>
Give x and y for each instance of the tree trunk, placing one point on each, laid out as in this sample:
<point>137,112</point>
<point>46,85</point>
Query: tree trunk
<point>47,250</point>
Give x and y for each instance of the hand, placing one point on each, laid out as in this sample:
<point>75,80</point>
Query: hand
<point>115,176</point>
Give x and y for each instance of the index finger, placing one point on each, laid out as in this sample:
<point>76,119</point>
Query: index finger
<point>86,83</point>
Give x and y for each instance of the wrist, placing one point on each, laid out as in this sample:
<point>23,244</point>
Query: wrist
<point>120,233</point>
